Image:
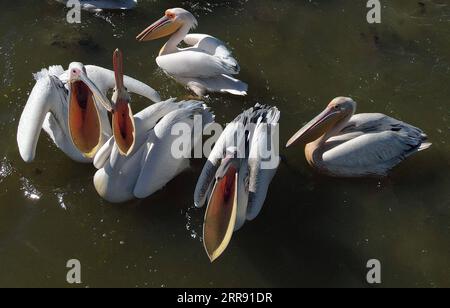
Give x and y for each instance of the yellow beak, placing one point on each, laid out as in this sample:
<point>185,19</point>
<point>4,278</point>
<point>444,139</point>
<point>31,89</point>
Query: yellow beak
<point>161,28</point>
<point>220,218</point>
<point>316,128</point>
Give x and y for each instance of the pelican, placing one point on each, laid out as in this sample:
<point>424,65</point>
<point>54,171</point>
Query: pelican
<point>72,108</point>
<point>205,66</point>
<point>151,164</point>
<point>342,144</point>
<point>235,179</point>
<point>100,5</point>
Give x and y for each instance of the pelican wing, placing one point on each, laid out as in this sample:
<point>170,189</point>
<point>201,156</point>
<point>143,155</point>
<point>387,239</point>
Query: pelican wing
<point>242,194</point>
<point>207,178</point>
<point>116,183</point>
<point>145,122</point>
<point>208,44</point>
<point>264,159</point>
<point>149,117</point>
<point>209,70</point>
<point>232,136</point>
<point>196,64</point>
<point>48,94</point>
<point>158,168</point>
<point>104,79</point>
<point>99,5</point>
<point>375,152</point>
<point>161,165</point>
<point>221,84</point>
<point>117,176</point>
<point>376,122</point>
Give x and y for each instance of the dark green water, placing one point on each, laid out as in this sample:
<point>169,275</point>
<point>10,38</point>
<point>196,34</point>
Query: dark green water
<point>313,231</point>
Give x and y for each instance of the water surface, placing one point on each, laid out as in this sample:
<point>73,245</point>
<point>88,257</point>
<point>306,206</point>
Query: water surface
<point>313,231</point>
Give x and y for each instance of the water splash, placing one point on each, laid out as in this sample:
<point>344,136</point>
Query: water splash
<point>5,169</point>
<point>29,191</point>
<point>60,197</point>
<point>192,226</point>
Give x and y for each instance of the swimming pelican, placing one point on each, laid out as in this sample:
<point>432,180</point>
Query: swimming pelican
<point>206,66</point>
<point>151,164</point>
<point>80,92</point>
<point>342,144</point>
<point>237,176</point>
<point>100,5</point>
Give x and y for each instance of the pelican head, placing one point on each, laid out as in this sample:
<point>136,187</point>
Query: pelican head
<point>122,120</point>
<point>339,109</point>
<point>170,23</point>
<point>84,118</point>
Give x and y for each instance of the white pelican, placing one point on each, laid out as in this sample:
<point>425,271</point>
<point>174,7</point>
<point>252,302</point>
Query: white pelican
<point>235,179</point>
<point>206,66</point>
<point>100,5</point>
<point>342,144</point>
<point>81,89</point>
<point>151,164</point>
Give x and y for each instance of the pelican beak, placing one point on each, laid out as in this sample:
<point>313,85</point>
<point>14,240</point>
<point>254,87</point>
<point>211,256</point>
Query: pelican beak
<point>124,129</point>
<point>316,128</point>
<point>84,118</point>
<point>98,95</point>
<point>221,214</point>
<point>163,27</point>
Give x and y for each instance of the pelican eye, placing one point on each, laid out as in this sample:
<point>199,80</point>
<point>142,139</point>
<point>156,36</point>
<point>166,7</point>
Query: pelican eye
<point>170,15</point>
